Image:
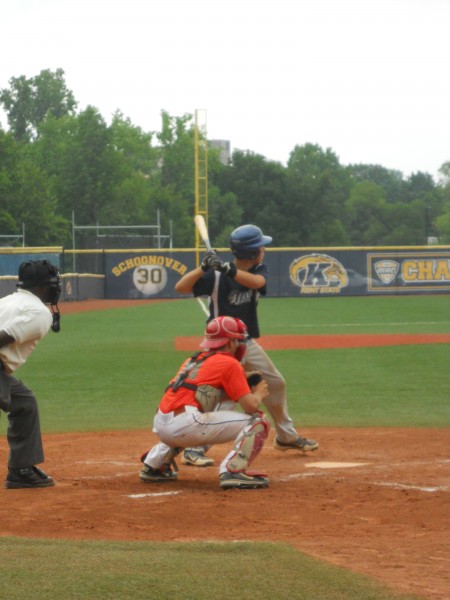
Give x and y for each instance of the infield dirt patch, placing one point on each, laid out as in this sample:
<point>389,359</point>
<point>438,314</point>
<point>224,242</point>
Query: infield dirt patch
<point>387,516</point>
<point>323,342</point>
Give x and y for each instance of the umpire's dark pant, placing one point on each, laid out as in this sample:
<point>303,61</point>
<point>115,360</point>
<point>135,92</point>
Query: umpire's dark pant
<point>24,429</point>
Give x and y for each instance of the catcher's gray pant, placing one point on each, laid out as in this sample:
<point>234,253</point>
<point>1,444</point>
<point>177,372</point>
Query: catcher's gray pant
<point>276,403</point>
<point>191,428</point>
<point>24,429</point>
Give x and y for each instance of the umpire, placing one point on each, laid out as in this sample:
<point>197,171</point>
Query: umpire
<point>24,320</point>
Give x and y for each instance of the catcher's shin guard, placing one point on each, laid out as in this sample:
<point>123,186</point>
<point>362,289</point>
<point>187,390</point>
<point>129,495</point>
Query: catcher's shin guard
<point>249,443</point>
<point>170,458</point>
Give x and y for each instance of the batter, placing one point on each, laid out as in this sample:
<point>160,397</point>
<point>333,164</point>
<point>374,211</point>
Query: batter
<point>233,289</point>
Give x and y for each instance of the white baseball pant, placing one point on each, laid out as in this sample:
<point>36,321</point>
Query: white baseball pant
<point>193,428</point>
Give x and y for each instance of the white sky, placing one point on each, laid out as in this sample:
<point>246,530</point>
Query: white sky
<point>367,78</point>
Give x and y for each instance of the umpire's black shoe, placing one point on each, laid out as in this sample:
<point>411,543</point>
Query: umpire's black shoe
<point>27,477</point>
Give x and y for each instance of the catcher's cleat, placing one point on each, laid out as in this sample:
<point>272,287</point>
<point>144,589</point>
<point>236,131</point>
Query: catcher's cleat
<point>149,475</point>
<point>242,481</point>
<point>196,458</point>
<point>27,477</point>
<point>302,444</point>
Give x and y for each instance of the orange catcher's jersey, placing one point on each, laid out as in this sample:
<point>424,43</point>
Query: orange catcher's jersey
<point>220,370</point>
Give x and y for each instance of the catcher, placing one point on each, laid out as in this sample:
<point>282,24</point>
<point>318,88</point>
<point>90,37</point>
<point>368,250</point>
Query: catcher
<point>188,413</point>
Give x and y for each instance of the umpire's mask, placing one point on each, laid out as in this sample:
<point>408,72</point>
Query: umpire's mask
<point>43,274</point>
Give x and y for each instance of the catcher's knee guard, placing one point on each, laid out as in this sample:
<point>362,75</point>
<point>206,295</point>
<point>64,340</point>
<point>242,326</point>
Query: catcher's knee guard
<point>249,443</point>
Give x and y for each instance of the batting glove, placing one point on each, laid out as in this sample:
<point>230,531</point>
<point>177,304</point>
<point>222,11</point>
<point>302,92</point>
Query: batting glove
<point>228,268</point>
<point>206,260</point>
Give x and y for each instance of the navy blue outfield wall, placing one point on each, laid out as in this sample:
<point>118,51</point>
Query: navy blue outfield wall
<point>293,272</point>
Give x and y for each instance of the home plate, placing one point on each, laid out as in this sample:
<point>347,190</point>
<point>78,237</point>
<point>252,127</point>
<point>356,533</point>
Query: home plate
<point>334,465</point>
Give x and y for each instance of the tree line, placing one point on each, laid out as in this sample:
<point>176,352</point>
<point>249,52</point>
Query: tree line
<point>56,161</point>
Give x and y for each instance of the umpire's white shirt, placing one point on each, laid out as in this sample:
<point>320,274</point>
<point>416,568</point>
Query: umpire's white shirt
<point>24,317</point>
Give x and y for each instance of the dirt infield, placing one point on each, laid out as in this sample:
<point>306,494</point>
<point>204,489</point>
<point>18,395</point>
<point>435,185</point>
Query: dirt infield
<point>276,342</point>
<point>322,342</point>
<point>376,500</point>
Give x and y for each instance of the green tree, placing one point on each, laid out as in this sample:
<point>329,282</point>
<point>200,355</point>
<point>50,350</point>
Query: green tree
<point>259,189</point>
<point>366,214</point>
<point>27,198</point>
<point>175,193</point>
<point>390,180</point>
<point>28,101</point>
<point>372,221</point>
<point>87,169</point>
<point>136,168</point>
<point>135,146</point>
<point>419,186</point>
<point>442,223</point>
<point>442,220</point>
<point>8,164</point>
<point>176,139</point>
<point>318,189</point>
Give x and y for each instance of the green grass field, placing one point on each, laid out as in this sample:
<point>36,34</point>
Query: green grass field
<point>106,370</point>
<point>55,570</point>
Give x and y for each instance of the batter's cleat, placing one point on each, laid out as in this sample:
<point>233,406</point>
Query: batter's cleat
<point>196,458</point>
<point>150,475</point>
<point>27,477</point>
<point>301,443</point>
<point>242,481</point>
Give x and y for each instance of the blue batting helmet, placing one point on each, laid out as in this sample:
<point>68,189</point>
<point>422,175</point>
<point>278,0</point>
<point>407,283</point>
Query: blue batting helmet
<point>246,240</point>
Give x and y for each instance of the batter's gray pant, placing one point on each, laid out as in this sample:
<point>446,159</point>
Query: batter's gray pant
<point>24,429</point>
<point>276,403</point>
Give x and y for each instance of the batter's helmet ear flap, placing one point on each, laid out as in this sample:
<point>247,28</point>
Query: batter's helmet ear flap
<point>246,240</point>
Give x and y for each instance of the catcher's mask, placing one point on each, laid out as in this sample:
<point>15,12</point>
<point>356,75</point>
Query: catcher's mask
<point>246,240</point>
<point>35,274</point>
<point>221,330</point>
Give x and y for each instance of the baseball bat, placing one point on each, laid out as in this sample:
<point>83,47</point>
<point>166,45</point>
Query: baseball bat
<point>203,230</point>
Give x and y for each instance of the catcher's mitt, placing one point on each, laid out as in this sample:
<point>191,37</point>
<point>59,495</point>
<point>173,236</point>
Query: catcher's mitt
<point>253,378</point>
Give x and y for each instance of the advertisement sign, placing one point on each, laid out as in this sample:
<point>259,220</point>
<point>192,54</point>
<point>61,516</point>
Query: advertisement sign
<point>358,272</point>
<point>292,272</point>
<point>145,274</point>
<point>332,272</point>
<point>408,271</point>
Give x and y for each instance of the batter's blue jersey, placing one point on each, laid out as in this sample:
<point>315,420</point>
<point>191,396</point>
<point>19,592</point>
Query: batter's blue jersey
<point>230,298</point>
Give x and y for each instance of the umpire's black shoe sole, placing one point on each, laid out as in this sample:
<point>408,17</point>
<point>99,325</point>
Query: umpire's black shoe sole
<point>29,477</point>
<point>16,485</point>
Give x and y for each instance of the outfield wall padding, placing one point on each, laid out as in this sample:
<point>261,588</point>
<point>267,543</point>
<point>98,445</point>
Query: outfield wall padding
<point>293,272</point>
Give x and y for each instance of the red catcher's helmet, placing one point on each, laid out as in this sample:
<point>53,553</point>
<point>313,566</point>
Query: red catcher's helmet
<point>222,329</point>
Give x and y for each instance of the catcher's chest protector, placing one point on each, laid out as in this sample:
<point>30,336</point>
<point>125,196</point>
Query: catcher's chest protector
<point>206,395</point>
